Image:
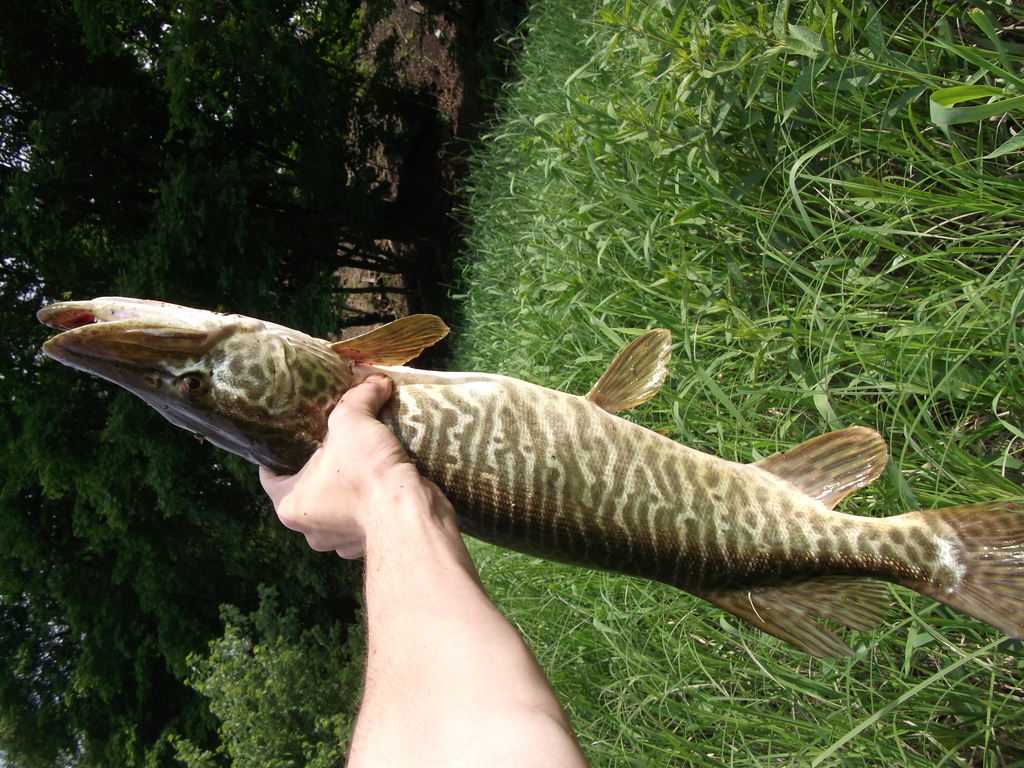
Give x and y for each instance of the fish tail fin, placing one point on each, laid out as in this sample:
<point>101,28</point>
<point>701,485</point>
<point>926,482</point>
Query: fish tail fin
<point>989,538</point>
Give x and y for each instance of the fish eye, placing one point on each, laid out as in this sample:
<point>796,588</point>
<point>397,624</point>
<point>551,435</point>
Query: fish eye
<point>193,385</point>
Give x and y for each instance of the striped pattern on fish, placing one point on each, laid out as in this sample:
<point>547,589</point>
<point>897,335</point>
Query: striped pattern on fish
<point>621,496</point>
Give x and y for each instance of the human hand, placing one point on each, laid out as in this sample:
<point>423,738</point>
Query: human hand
<point>354,474</point>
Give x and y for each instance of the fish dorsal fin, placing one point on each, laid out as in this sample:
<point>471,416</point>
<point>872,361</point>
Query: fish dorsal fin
<point>395,343</point>
<point>636,374</point>
<point>787,612</point>
<point>830,467</point>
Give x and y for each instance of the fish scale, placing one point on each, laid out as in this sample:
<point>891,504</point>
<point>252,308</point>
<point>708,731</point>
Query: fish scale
<point>561,477</point>
<point>623,517</point>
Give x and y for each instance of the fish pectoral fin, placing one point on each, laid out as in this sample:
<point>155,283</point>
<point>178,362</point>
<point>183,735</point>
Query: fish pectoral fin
<point>395,343</point>
<point>788,612</point>
<point>830,467</point>
<point>636,374</point>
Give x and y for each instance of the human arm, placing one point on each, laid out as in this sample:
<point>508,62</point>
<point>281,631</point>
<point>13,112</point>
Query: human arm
<point>449,682</point>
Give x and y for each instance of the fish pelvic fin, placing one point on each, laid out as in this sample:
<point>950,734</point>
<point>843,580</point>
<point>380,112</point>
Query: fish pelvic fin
<point>787,612</point>
<point>636,374</point>
<point>395,343</point>
<point>830,467</point>
<point>988,541</point>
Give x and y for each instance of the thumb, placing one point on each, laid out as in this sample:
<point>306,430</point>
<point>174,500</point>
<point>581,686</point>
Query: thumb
<point>276,486</point>
<point>367,397</point>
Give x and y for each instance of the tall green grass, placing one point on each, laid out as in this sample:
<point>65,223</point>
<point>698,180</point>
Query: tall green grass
<point>824,203</point>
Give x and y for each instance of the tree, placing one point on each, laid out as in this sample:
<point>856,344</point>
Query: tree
<point>239,141</point>
<point>209,152</point>
<point>284,695</point>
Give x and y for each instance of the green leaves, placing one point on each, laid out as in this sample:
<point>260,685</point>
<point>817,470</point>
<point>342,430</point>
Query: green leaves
<point>285,695</point>
<point>804,41</point>
<point>944,109</point>
<point>1001,97</point>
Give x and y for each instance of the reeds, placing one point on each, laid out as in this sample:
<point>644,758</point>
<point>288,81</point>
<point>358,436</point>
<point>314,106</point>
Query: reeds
<point>823,202</point>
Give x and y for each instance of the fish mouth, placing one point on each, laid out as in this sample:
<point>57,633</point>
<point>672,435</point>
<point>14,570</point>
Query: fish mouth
<point>132,333</point>
<point>65,319</point>
<point>69,315</point>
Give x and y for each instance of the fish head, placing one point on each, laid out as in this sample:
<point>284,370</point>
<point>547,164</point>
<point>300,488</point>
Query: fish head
<point>254,388</point>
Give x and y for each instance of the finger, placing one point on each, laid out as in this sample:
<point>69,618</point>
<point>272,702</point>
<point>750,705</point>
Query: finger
<point>352,551</point>
<point>268,479</point>
<point>275,486</point>
<point>366,397</point>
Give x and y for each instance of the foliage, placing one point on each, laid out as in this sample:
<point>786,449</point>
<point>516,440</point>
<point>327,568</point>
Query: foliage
<point>31,651</point>
<point>283,694</point>
<point>224,147</point>
<point>211,153</point>
<point>789,189</point>
<point>228,155</point>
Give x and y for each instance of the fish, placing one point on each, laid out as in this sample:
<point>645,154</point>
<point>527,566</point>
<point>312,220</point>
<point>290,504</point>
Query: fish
<point>562,476</point>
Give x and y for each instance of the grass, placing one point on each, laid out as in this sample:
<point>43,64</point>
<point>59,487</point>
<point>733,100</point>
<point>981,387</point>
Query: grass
<point>822,202</point>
